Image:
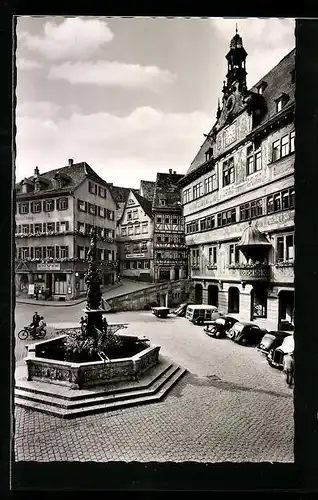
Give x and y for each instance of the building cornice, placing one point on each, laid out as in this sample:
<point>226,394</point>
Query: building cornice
<point>42,194</point>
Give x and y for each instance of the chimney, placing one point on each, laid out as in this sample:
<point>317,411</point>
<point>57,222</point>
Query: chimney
<point>170,170</point>
<point>70,162</point>
<point>36,171</point>
<point>175,172</point>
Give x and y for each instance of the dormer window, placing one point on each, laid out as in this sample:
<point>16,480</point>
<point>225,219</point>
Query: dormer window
<point>281,101</point>
<point>209,154</point>
<point>279,105</point>
<point>261,87</point>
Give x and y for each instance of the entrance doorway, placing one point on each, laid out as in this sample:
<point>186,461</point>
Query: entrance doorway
<point>198,294</point>
<point>234,300</point>
<point>49,283</point>
<point>60,287</point>
<point>24,282</point>
<point>176,273</point>
<point>285,308</point>
<point>164,275</point>
<point>213,295</point>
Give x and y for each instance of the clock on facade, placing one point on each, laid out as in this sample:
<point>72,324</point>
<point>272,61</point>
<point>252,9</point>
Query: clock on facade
<point>230,134</point>
<point>230,103</point>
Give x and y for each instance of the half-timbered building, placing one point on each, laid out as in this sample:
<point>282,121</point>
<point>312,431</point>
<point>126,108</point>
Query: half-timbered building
<point>170,252</point>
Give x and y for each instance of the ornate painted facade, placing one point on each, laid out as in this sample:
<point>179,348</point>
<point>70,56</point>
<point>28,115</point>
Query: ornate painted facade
<point>238,197</point>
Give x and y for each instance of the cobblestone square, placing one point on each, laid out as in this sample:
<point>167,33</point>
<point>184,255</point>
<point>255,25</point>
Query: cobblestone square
<point>229,407</point>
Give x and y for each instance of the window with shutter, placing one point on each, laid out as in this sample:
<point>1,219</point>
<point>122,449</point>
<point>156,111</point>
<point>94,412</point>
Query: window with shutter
<point>24,208</point>
<point>62,204</point>
<point>57,227</point>
<point>57,251</point>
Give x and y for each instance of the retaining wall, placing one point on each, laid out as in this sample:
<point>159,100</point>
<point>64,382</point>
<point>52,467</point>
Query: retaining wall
<point>167,294</point>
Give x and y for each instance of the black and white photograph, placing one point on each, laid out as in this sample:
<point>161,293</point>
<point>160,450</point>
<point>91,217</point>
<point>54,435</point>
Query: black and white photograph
<point>154,240</point>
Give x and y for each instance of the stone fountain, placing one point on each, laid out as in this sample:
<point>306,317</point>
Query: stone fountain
<point>93,367</point>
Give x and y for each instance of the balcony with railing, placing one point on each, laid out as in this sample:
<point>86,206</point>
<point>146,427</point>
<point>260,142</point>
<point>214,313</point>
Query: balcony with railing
<point>252,272</point>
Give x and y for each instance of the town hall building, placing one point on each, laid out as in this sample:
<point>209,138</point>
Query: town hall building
<point>239,200</point>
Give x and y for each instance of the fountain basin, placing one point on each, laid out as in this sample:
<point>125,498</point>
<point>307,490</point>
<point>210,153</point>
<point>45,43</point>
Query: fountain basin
<point>87,374</point>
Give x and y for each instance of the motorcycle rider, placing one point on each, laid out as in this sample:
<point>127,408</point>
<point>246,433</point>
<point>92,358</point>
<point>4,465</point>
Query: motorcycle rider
<point>35,323</point>
<point>41,326</point>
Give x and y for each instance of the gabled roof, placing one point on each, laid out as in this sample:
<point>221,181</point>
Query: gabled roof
<point>77,173</point>
<point>147,189</point>
<point>143,202</point>
<point>120,194</point>
<point>279,82</point>
<point>167,189</point>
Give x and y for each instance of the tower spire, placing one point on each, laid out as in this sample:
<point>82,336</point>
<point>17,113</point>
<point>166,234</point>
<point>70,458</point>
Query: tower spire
<point>236,63</point>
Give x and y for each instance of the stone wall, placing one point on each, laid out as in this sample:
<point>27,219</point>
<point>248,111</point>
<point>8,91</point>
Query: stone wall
<point>175,292</point>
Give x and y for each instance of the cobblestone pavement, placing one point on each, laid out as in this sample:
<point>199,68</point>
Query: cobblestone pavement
<point>230,406</point>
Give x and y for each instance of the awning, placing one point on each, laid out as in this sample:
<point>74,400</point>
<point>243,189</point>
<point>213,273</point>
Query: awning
<point>252,237</point>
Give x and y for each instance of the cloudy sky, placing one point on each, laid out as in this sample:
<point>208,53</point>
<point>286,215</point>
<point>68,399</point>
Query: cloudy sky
<point>130,96</point>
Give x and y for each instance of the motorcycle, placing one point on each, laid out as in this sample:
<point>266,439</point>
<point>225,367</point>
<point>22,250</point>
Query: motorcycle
<point>28,332</point>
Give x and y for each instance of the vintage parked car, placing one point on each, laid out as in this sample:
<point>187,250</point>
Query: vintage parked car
<point>160,312</point>
<point>202,313</point>
<point>275,357</point>
<point>220,326</point>
<point>246,333</point>
<point>272,340</point>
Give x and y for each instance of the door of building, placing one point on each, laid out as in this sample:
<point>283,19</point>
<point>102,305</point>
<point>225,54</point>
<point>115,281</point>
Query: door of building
<point>176,273</point>
<point>198,294</point>
<point>213,295</point>
<point>286,307</point>
<point>49,282</point>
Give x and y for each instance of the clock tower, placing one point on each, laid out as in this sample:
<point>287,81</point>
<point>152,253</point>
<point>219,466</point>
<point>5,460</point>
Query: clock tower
<point>236,74</point>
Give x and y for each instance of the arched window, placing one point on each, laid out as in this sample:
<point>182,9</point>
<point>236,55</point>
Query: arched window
<point>234,300</point>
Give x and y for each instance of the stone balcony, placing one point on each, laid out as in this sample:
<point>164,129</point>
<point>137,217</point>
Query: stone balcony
<point>252,272</point>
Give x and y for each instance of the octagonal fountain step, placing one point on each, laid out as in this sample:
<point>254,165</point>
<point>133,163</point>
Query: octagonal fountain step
<point>66,403</point>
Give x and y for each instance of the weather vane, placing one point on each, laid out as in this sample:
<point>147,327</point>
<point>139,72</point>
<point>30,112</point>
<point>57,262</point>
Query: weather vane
<point>236,28</point>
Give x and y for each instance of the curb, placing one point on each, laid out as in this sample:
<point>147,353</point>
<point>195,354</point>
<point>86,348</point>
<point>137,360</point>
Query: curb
<point>56,303</point>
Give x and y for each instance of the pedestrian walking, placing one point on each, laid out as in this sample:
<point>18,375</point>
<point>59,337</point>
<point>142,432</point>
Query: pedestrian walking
<point>289,368</point>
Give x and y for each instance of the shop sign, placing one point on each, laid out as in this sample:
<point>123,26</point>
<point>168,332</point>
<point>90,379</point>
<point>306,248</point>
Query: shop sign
<point>31,290</point>
<point>49,267</point>
<point>134,255</point>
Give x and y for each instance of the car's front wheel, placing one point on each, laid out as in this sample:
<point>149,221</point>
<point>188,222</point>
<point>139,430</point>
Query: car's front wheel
<point>231,334</point>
